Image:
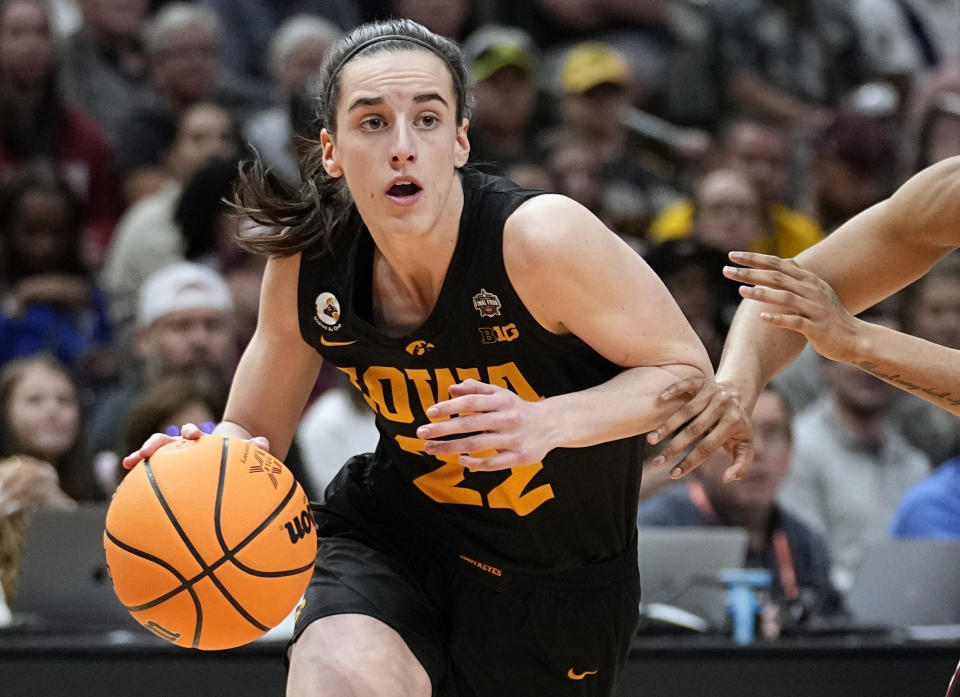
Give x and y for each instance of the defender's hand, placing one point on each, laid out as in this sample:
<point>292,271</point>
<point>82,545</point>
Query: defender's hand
<point>806,303</point>
<point>715,418</point>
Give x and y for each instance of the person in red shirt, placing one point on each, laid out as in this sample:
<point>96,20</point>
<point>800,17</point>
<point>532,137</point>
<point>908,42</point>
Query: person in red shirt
<point>36,123</point>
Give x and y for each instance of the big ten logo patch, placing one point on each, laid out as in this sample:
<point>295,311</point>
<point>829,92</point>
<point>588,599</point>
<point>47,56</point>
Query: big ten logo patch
<point>496,334</point>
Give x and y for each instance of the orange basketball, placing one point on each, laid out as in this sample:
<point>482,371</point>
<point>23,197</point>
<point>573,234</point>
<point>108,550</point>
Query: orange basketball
<point>210,542</point>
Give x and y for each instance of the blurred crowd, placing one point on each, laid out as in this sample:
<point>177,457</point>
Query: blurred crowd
<point>690,127</point>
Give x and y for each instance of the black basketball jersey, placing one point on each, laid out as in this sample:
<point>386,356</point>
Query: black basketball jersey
<point>575,507</point>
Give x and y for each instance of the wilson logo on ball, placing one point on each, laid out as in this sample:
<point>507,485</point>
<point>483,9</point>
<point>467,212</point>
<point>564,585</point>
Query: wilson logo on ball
<point>300,526</point>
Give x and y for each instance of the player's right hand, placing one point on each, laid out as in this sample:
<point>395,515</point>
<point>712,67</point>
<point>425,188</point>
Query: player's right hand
<point>188,431</point>
<point>715,417</point>
<point>150,446</point>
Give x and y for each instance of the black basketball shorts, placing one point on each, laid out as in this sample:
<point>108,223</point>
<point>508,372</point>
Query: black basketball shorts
<point>479,631</point>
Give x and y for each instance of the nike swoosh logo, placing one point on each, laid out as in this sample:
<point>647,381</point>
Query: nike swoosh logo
<point>323,340</point>
<point>580,676</point>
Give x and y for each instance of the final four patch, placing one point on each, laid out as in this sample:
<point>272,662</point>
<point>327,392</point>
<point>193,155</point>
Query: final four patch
<point>487,304</point>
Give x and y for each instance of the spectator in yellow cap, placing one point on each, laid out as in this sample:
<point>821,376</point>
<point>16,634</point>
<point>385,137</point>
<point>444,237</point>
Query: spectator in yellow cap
<point>592,64</point>
<point>597,89</point>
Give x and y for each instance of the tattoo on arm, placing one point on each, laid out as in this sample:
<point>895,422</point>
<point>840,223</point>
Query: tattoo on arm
<point>895,379</point>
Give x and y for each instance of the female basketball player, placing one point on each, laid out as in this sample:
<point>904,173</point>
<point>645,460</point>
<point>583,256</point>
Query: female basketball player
<point>512,348</point>
<point>872,256</point>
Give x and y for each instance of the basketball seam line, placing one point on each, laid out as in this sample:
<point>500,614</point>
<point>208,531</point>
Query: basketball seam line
<point>230,554</point>
<point>186,584</point>
<point>183,537</point>
<point>221,480</point>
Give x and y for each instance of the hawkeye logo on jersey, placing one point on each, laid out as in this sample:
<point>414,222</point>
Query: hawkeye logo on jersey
<point>419,348</point>
<point>328,312</point>
<point>493,335</point>
<point>487,304</point>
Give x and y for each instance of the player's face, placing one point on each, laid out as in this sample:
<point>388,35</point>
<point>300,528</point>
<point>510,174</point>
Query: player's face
<point>43,412</point>
<point>398,142</point>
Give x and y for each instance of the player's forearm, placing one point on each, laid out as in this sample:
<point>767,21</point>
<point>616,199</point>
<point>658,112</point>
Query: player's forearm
<point>624,406</point>
<point>268,393</point>
<point>929,371</point>
<point>755,352</point>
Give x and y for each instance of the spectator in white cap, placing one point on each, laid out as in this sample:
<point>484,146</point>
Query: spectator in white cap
<point>184,324</point>
<point>185,320</point>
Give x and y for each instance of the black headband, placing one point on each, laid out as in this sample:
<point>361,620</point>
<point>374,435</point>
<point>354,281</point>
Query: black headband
<point>379,39</point>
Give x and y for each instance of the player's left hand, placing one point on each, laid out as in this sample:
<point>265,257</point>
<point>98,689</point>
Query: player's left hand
<point>503,429</point>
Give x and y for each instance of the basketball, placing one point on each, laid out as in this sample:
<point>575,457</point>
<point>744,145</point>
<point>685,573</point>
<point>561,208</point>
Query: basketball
<point>210,543</point>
